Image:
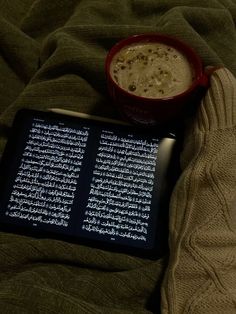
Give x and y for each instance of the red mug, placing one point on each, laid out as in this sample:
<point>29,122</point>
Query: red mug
<point>146,111</point>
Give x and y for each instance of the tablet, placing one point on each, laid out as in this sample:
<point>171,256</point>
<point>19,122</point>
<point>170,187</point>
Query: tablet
<point>96,183</point>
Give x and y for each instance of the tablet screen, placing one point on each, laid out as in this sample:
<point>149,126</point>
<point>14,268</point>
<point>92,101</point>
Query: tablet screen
<point>94,182</point>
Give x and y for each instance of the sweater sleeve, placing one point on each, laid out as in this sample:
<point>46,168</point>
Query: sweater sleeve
<point>201,274</point>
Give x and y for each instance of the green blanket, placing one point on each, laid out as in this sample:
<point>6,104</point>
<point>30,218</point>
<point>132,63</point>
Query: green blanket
<point>52,55</point>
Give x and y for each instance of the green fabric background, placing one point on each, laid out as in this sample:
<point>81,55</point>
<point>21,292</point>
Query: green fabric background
<point>52,55</point>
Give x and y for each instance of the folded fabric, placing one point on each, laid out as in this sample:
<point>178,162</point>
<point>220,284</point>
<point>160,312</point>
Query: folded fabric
<point>52,54</point>
<point>201,275</point>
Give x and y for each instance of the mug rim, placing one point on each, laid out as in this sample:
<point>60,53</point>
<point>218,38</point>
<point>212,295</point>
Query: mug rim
<point>193,58</point>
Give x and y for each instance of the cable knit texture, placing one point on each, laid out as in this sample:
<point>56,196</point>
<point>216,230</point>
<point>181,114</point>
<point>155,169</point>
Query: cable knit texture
<point>52,54</point>
<point>201,276</point>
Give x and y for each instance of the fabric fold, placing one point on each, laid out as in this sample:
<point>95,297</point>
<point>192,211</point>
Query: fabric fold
<point>200,277</point>
<point>218,110</point>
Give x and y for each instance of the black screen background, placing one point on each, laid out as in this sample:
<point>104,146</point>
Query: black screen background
<point>12,159</point>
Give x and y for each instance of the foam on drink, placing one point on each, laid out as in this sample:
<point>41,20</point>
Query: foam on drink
<point>152,70</point>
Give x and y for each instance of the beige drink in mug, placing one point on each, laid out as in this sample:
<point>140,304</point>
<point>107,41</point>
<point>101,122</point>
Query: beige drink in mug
<point>153,77</point>
<point>152,70</point>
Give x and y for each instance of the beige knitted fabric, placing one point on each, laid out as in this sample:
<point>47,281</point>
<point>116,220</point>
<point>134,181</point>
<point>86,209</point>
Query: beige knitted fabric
<point>201,276</point>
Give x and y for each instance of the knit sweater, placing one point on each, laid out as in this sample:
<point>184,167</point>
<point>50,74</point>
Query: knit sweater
<point>201,274</point>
